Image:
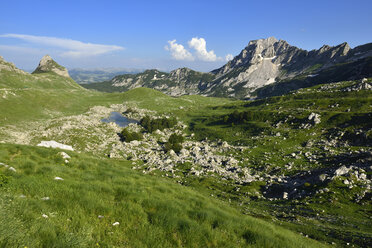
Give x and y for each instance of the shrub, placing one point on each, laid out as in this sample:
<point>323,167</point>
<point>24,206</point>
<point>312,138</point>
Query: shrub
<point>128,136</point>
<point>3,179</point>
<point>151,125</point>
<point>129,110</point>
<point>174,143</point>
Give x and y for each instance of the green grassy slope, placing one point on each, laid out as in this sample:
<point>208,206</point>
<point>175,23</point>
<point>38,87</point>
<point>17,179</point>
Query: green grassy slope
<point>32,97</point>
<point>38,211</point>
<point>279,145</point>
<point>151,212</point>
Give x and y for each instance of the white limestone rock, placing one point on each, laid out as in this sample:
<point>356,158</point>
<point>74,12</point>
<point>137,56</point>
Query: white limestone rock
<point>55,144</point>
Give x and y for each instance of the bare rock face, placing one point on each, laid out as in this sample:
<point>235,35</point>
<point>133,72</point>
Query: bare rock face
<point>47,64</point>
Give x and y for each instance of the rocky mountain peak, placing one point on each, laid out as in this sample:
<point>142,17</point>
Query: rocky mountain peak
<point>180,71</point>
<point>47,64</point>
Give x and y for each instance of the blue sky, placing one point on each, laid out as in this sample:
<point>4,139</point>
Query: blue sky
<point>170,34</point>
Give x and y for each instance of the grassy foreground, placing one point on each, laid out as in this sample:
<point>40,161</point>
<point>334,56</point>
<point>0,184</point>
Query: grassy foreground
<point>38,211</point>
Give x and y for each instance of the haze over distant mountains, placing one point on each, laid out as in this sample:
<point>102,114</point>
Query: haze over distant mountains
<point>86,76</point>
<point>265,67</point>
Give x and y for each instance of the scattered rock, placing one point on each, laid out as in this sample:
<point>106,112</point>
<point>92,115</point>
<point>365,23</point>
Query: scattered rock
<point>64,155</point>
<point>341,171</point>
<point>285,195</point>
<point>315,118</point>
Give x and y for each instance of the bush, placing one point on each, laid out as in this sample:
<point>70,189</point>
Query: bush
<point>174,143</point>
<point>129,110</point>
<point>151,125</point>
<point>128,136</point>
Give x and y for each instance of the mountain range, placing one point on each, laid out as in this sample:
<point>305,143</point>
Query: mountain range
<point>265,67</point>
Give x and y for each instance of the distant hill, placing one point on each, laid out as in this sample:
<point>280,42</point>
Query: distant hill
<point>182,81</point>
<point>266,67</point>
<point>87,76</point>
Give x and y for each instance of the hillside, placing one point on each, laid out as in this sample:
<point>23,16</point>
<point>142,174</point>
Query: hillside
<point>301,160</point>
<point>266,67</point>
<point>61,198</point>
<point>26,97</point>
<point>103,203</point>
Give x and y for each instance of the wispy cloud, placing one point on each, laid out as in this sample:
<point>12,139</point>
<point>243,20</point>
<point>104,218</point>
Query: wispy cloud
<point>178,51</point>
<point>70,48</point>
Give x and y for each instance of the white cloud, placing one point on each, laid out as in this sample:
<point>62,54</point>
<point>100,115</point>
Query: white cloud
<point>72,48</point>
<point>178,51</point>
<point>229,57</point>
<point>200,47</point>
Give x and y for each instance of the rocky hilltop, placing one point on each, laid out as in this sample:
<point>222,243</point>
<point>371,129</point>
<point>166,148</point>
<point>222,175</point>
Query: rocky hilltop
<point>7,66</point>
<point>265,67</point>
<point>47,64</point>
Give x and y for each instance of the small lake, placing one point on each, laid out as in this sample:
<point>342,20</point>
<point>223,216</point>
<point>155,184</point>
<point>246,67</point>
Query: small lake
<point>119,119</point>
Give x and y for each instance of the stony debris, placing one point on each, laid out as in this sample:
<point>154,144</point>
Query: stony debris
<point>315,118</point>
<point>65,156</point>
<point>363,85</point>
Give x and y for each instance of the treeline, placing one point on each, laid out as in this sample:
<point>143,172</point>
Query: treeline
<point>174,142</point>
<point>128,136</point>
<point>151,125</point>
<point>246,116</point>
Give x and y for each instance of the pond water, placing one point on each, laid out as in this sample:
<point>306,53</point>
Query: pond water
<point>119,119</point>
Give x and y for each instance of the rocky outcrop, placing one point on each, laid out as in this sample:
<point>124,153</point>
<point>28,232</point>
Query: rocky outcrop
<point>47,64</point>
<point>7,66</point>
